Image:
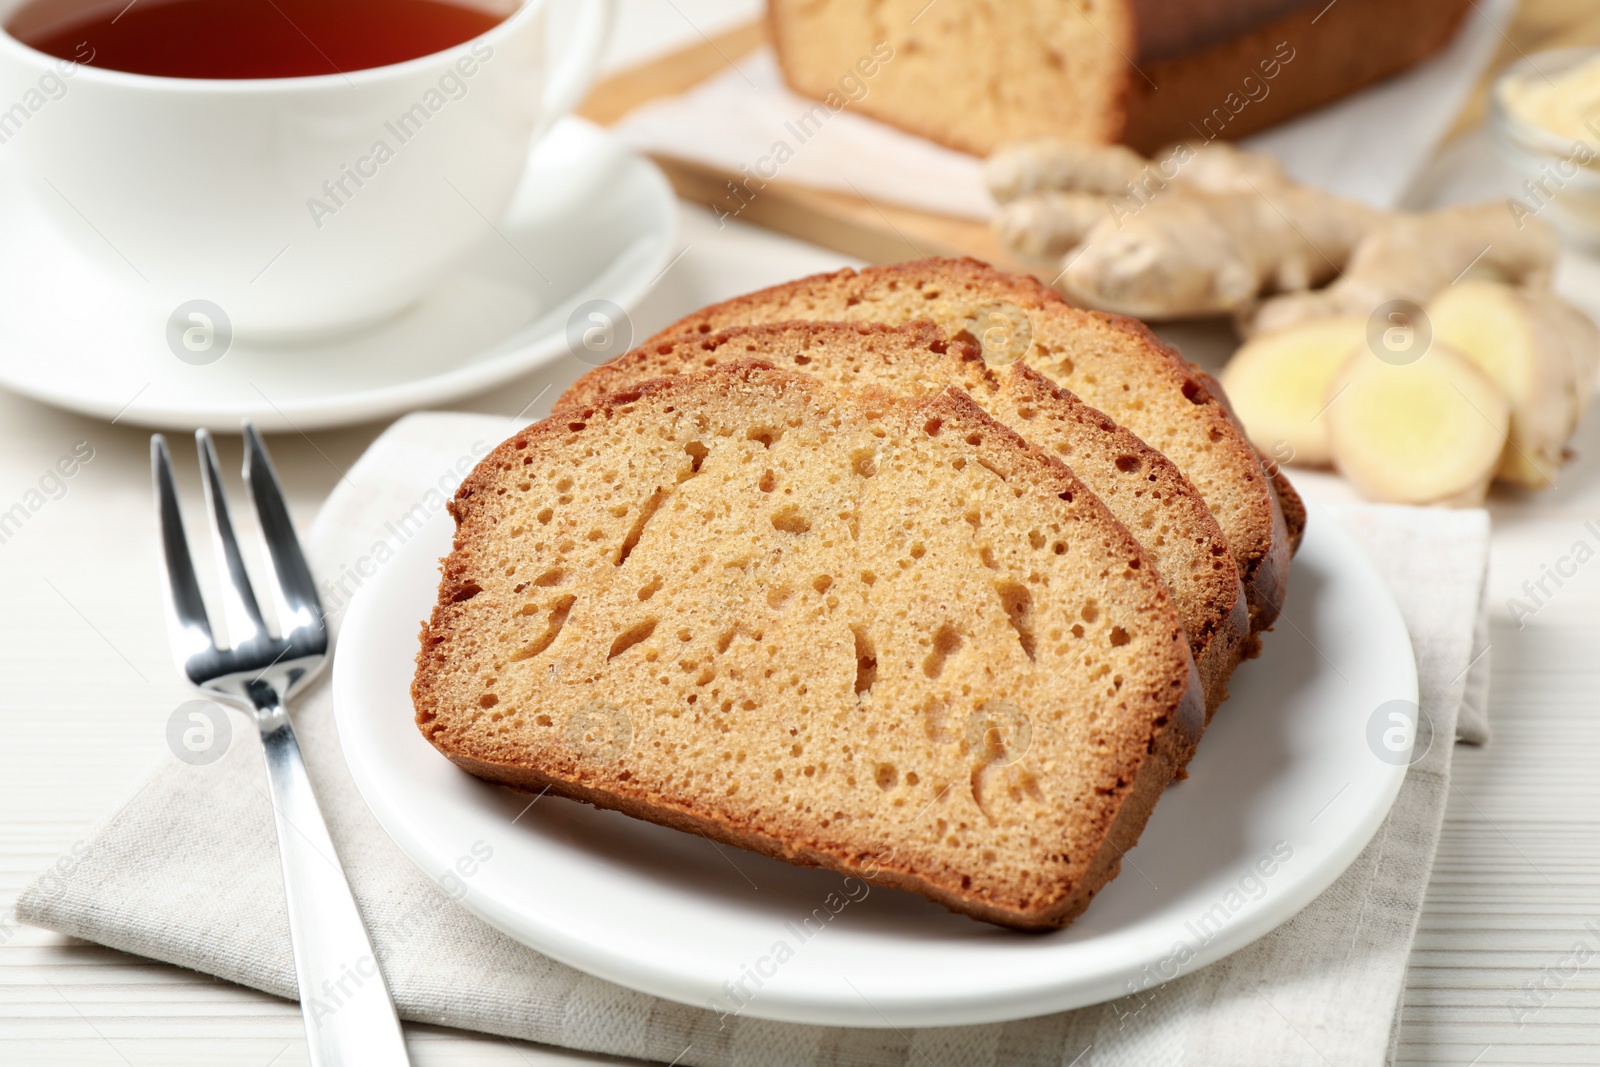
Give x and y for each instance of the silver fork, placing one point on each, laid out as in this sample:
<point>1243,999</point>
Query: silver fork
<point>349,1017</point>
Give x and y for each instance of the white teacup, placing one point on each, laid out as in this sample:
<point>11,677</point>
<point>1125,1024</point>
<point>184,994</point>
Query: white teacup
<point>298,206</point>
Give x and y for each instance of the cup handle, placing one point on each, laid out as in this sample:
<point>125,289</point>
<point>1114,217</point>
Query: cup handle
<point>576,70</point>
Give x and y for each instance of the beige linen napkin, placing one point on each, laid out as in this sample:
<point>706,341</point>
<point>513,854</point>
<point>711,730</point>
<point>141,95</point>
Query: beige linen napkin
<point>187,870</point>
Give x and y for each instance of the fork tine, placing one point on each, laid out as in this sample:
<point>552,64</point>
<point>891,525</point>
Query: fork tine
<point>187,612</point>
<point>238,598</point>
<point>296,587</point>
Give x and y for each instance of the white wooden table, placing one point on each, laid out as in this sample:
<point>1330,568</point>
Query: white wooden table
<point>86,686</point>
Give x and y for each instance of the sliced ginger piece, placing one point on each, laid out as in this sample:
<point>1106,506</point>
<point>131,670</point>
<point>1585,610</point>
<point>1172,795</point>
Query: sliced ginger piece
<point>1534,348</point>
<point>1279,386</point>
<point>1427,432</point>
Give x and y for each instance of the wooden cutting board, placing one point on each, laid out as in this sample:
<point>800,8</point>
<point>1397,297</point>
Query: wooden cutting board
<point>886,233</point>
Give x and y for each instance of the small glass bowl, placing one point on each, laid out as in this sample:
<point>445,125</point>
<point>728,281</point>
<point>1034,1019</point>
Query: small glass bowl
<point>1557,184</point>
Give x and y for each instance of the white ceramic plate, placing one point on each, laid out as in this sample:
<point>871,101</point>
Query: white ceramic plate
<point>1286,781</point>
<point>590,221</point>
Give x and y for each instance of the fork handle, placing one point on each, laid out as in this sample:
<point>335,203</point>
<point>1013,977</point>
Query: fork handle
<point>349,1016</point>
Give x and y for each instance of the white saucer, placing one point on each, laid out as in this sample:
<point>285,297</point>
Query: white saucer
<point>1288,781</point>
<point>591,221</point>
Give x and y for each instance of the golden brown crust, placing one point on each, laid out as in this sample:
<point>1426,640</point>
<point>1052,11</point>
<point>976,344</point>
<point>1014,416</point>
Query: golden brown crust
<point>1336,50</point>
<point>1289,502</point>
<point>1103,453</point>
<point>1268,583</point>
<point>1133,778</point>
<point>1169,28</point>
<point>1289,511</point>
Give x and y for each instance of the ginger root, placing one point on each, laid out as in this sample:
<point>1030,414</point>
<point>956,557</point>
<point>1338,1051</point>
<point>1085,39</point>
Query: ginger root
<point>1415,257</point>
<point>1219,167</point>
<point>1048,164</point>
<point>1190,255</point>
<point>1045,225</point>
<point>1426,432</point>
<point>1215,230</point>
<point>1199,230</point>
